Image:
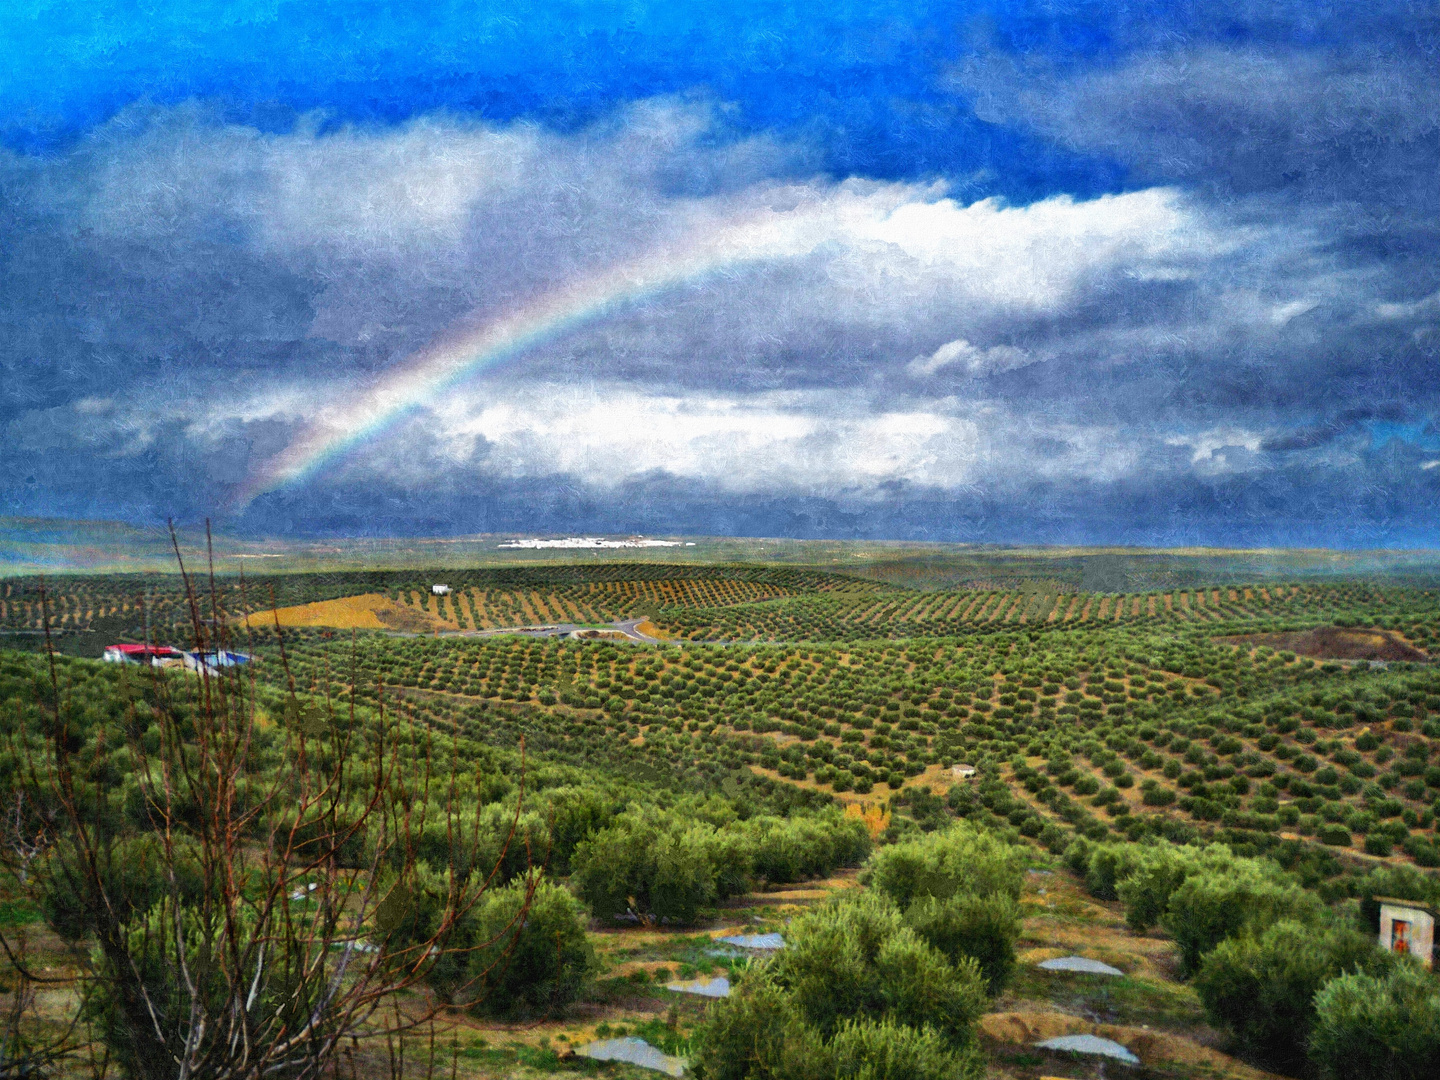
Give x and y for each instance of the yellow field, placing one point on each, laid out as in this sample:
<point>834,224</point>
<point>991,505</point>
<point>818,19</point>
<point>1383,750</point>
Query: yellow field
<point>369,611</point>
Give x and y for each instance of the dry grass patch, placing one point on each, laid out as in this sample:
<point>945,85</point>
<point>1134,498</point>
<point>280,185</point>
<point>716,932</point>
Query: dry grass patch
<point>368,611</point>
<point>1153,1048</point>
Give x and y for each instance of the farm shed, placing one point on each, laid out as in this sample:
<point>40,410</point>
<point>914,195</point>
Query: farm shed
<point>1407,926</point>
<point>440,590</point>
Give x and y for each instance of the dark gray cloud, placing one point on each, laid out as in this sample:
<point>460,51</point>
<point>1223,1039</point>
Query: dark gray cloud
<point>1326,122</point>
<point>1207,350</point>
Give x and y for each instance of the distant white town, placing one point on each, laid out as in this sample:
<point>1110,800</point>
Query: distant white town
<point>594,542</point>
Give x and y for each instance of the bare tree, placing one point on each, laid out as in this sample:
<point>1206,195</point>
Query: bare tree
<point>269,913</point>
<point>27,832</point>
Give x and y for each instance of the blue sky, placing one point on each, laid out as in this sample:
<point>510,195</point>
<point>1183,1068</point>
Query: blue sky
<point>1069,273</point>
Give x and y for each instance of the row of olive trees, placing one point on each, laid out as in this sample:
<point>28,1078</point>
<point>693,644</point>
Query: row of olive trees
<point>667,866</point>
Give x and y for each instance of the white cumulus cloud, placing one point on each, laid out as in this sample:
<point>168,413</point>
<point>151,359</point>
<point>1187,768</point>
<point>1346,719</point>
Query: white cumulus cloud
<point>973,361</point>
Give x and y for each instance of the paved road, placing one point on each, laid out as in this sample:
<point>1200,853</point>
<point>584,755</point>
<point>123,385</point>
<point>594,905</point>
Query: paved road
<point>631,629</point>
<point>627,627</point>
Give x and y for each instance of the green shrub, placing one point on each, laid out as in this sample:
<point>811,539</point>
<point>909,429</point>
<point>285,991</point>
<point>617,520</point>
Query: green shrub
<point>959,891</point>
<point>855,993</point>
<point>518,953</point>
<point>575,814</point>
<point>1217,903</point>
<point>1157,796</point>
<point>793,849</point>
<point>1077,855</point>
<point>1262,988</point>
<point>855,957</point>
<point>963,859</point>
<point>886,1050</point>
<point>1369,1027</point>
<point>655,864</point>
<point>731,856</point>
<point>1377,844</point>
<point>755,1032</point>
<point>134,871</point>
<point>283,996</point>
<point>1108,864</point>
<point>982,928</point>
<point>1153,877</point>
<point>1333,835</point>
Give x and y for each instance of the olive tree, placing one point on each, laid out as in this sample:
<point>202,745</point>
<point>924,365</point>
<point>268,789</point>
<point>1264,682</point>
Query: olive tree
<point>242,903</point>
<point>855,992</point>
<point>1374,1027</point>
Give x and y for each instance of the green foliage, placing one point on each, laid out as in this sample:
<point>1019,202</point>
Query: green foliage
<point>521,952</point>
<point>981,928</point>
<point>135,871</point>
<point>1370,1027</point>
<point>1077,855</point>
<point>1222,901</point>
<point>141,982</point>
<point>1334,835</point>
<point>964,859</point>
<point>958,890</point>
<point>1108,863</point>
<point>855,957</point>
<point>1261,987</point>
<point>574,813</point>
<point>886,1050</point>
<point>805,846</point>
<point>1152,878</point>
<point>855,993</point>
<point>670,866</point>
<point>753,1033</point>
<point>649,865</point>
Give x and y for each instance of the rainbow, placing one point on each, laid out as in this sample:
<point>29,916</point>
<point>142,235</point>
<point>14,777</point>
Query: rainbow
<point>347,424</point>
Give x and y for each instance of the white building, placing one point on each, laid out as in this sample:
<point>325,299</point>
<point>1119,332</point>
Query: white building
<point>1407,927</point>
<point>214,661</point>
<point>440,590</point>
<point>155,655</point>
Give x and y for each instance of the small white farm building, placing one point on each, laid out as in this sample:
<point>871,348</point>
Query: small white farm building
<point>1407,927</point>
<point>440,590</point>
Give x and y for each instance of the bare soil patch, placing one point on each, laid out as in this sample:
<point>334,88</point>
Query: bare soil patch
<point>1153,1048</point>
<point>1336,643</point>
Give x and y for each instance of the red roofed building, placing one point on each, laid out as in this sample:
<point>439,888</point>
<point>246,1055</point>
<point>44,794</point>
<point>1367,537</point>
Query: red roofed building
<point>141,654</point>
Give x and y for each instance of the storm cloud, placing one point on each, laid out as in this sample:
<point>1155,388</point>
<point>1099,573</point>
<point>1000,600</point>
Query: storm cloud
<point>1225,332</point>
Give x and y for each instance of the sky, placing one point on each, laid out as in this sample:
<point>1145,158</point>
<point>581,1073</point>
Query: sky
<point>1152,273</point>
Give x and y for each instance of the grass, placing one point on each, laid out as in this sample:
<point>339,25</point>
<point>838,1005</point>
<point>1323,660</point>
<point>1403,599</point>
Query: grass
<point>1111,999</point>
<point>17,913</point>
<point>532,1058</point>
